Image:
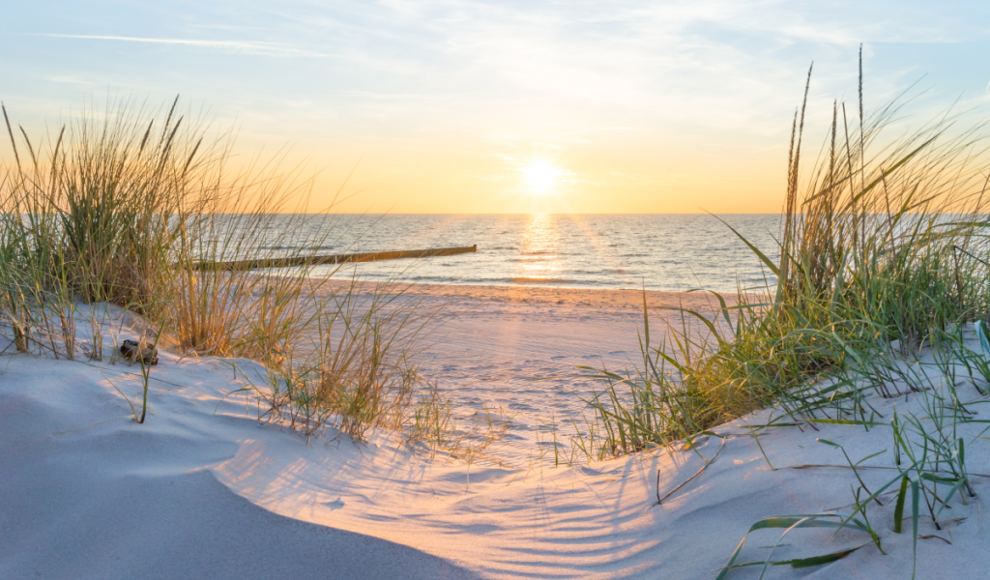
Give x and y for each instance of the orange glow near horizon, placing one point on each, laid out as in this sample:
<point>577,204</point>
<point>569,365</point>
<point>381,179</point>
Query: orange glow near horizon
<point>624,175</point>
<point>592,181</point>
<point>473,177</point>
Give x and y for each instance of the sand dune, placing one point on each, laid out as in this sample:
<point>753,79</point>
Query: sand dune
<point>203,489</point>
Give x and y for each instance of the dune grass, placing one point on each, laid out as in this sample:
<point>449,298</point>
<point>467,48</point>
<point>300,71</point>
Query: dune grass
<point>874,249</point>
<point>883,265</point>
<point>124,205</point>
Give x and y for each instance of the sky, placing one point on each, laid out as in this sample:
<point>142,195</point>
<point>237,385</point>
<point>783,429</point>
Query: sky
<point>460,106</point>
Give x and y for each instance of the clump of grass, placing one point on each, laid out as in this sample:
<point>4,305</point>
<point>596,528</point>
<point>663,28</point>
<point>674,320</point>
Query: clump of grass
<point>134,208</point>
<point>869,254</point>
<point>254,314</point>
<point>92,208</point>
<point>357,372</point>
<point>432,424</point>
<point>882,261</point>
<point>432,421</point>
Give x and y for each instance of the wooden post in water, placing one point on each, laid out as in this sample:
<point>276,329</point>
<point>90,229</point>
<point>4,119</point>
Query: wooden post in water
<point>332,259</point>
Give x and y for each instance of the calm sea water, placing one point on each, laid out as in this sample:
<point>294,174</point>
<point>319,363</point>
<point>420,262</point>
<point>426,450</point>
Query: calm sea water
<point>660,252</point>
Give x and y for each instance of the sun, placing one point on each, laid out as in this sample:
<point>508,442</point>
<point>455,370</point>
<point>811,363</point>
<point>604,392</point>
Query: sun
<point>541,177</point>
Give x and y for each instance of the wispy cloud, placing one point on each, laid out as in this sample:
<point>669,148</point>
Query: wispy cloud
<point>236,46</point>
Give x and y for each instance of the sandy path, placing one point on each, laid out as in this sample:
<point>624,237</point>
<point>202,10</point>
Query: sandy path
<point>517,350</point>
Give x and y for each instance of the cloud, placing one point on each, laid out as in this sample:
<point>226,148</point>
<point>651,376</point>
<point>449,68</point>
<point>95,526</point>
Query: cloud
<point>241,47</point>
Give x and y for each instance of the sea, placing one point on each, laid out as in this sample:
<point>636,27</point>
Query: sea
<point>668,252</point>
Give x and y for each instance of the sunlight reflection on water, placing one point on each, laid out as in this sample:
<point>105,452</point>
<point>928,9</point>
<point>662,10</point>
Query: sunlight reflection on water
<point>660,252</point>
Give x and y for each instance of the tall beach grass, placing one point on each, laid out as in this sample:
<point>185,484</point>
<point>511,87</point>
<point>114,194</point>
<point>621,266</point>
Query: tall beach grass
<point>876,248</point>
<point>882,275</point>
<point>129,206</point>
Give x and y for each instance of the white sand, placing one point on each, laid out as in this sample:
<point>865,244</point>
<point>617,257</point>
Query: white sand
<point>203,490</point>
<point>518,351</point>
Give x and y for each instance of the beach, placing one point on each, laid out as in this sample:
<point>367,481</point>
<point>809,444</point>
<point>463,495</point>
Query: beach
<point>205,489</point>
<point>517,352</point>
<point>493,291</point>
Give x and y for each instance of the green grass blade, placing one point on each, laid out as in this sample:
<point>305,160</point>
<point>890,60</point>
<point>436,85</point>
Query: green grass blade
<point>899,506</point>
<point>763,257</point>
<point>915,501</point>
<point>818,560</point>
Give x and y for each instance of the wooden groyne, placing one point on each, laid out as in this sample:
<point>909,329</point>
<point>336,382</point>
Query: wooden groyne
<point>333,259</point>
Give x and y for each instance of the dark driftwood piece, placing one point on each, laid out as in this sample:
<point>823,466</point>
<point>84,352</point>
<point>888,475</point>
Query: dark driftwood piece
<point>133,351</point>
<point>332,259</point>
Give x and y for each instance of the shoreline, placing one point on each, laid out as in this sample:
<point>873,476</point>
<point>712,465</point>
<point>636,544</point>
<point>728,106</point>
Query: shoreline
<point>623,299</point>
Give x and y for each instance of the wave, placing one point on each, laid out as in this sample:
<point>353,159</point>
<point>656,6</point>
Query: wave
<point>295,248</point>
<point>518,280</point>
<point>540,280</point>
